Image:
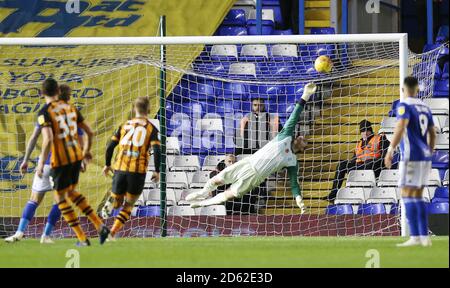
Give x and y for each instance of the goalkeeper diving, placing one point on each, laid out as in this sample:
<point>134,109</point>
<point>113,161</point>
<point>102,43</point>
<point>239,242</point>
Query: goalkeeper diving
<point>248,173</point>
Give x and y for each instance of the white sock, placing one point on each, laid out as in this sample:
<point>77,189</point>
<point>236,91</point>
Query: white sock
<point>216,200</point>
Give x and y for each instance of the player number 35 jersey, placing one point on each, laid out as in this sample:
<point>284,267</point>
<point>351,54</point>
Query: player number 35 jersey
<point>135,137</point>
<point>63,119</point>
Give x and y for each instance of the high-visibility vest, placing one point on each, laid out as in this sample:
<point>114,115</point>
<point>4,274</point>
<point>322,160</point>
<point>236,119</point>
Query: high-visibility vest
<point>371,151</point>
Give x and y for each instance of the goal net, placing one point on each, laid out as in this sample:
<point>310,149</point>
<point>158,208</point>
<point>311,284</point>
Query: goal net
<point>224,96</point>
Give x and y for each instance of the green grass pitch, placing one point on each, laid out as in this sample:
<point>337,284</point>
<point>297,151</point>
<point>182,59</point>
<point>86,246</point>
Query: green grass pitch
<point>229,252</point>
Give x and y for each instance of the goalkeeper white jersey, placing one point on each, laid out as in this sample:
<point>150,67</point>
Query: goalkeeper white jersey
<point>274,156</point>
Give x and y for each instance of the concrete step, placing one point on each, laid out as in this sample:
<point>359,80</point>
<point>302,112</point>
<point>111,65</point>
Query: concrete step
<point>339,90</point>
<point>370,81</point>
<point>325,129</point>
<point>356,110</point>
<point>317,14</point>
<point>317,4</point>
<point>317,23</point>
<point>348,119</point>
<point>361,98</point>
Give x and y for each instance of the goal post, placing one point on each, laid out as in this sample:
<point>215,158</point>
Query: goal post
<point>200,99</point>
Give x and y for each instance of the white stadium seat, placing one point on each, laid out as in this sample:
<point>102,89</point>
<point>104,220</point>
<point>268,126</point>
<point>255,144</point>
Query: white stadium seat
<point>388,178</point>
<point>248,69</point>
<point>350,196</point>
<point>177,180</point>
<point>284,50</point>
<point>225,51</point>
<point>438,106</point>
<point>215,210</point>
<point>361,178</point>
<point>173,145</point>
<point>445,181</point>
<point>442,141</point>
<point>186,163</point>
<point>267,14</point>
<point>211,161</point>
<point>434,178</point>
<point>183,194</point>
<point>180,211</point>
<point>153,197</point>
<point>199,179</point>
<point>255,50</point>
<point>388,125</point>
<point>383,195</point>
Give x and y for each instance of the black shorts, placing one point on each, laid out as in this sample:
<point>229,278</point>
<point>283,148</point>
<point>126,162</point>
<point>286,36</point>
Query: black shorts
<point>124,182</point>
<point>65,176</point>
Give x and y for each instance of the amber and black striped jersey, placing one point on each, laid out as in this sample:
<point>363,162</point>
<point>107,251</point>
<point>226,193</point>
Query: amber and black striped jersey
<point>63,118</point>
<point>135,137</point>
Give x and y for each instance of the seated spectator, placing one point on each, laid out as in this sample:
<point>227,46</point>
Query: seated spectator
<point>258,127</point>
<point>369,154</point>
<point>245,205</point>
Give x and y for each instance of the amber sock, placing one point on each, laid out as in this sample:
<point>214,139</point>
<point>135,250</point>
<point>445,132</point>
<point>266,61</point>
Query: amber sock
<point>72,219</point>
<point>80,201</point>
<point>124,216</point>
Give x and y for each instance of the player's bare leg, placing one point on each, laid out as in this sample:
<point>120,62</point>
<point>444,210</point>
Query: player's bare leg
<point>124,214</point>
<point>216,200</point>
<point>415,215</point>
<point>210,186</point>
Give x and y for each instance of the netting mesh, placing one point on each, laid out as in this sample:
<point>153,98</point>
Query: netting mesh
<point>210,90</point>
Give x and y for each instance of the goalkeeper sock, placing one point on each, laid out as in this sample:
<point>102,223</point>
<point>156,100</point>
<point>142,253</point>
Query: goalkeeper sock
<point>411,215</point>
<point>71,218</point>
<point>53,217</point>
<point>80,201</point>
<point>27,215</point>
<point>216,200</point>
<point>121,218</point>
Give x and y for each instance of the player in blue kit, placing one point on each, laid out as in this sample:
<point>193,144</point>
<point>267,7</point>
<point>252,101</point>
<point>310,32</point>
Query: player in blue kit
<point>416,135</point>
<point>40,186</point>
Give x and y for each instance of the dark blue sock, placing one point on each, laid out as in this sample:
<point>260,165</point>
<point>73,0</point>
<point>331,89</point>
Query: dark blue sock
<point>53,217</point>
<point>411,215</point>
<point>422,217</point>
<point>27,215</point>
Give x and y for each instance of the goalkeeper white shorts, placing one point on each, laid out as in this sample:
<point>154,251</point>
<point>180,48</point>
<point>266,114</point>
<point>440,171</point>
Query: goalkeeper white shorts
<point>242,177</point>
<point>414,173</point>
<point>42,184</point>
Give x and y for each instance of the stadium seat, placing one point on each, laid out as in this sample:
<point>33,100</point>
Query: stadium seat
<point>442,34</point>
<point>283,32</point>
<point>224,53</point>
<point>440,194</point>
<point>395,209</point>
<point>441,89</point>
<point>442,142</point>
<point>235,17</point>
<point>341,209</point>
<point>382,195</point>
<point>438,208</point>
<point>388,178</point>
<point>211,161</point>
<point>243,69</point>
<point>180,211</point>
<point>233,90</point>
<point>177,180</point>
<point>323,30</point>
<point>361,178</point>
<point>445,126</point>
<point>232,31</point>
<point>371,209</point>
<point>153,197</point>
<point>147,211</point>
<point>349,195</point>
<point>388,125</point>
<point>439,122</point>
<point>284,52</point>
<point>186,163</point>
<point>151,163</point>
<point>215,210</point>
<point>445,180</point>
<point>254,52</point>
<point>200,91</point>
<point>437,106</point>
<point>309,52</point>
<point>183,194</point>
<point>434,178</point>
<point>440,159</point>
<point>267,23</point>
<point>199,179</point>
<point>173,145</point>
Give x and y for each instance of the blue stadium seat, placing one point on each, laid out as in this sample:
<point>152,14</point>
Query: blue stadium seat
<point>371,209</point>
<point>441,88</point>
<point>147,211</point>
<point>232,31</point>
<point>283,32</point>
<point>445,71</point>
<point>440,159</point>
<point>212,68</point>
<point>200,91</point>
<point>440,194</point>
<point>442,34</point>
<point>438,208</point>
<point>323,30</point>
<point>266,29</point>
<point>430,47</point>
<point>395,209</point>
<point>233,90</point>
<point>341,209</point>
<point>235,17</point>
<point>310,52</point>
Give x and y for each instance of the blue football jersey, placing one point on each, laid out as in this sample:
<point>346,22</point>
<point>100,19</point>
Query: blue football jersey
<point>414,144</point>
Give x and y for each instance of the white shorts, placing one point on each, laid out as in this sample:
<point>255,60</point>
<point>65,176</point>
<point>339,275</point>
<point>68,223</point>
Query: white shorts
<point>414,173</point>
<point>44,184</point>
<point>242,177</point>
